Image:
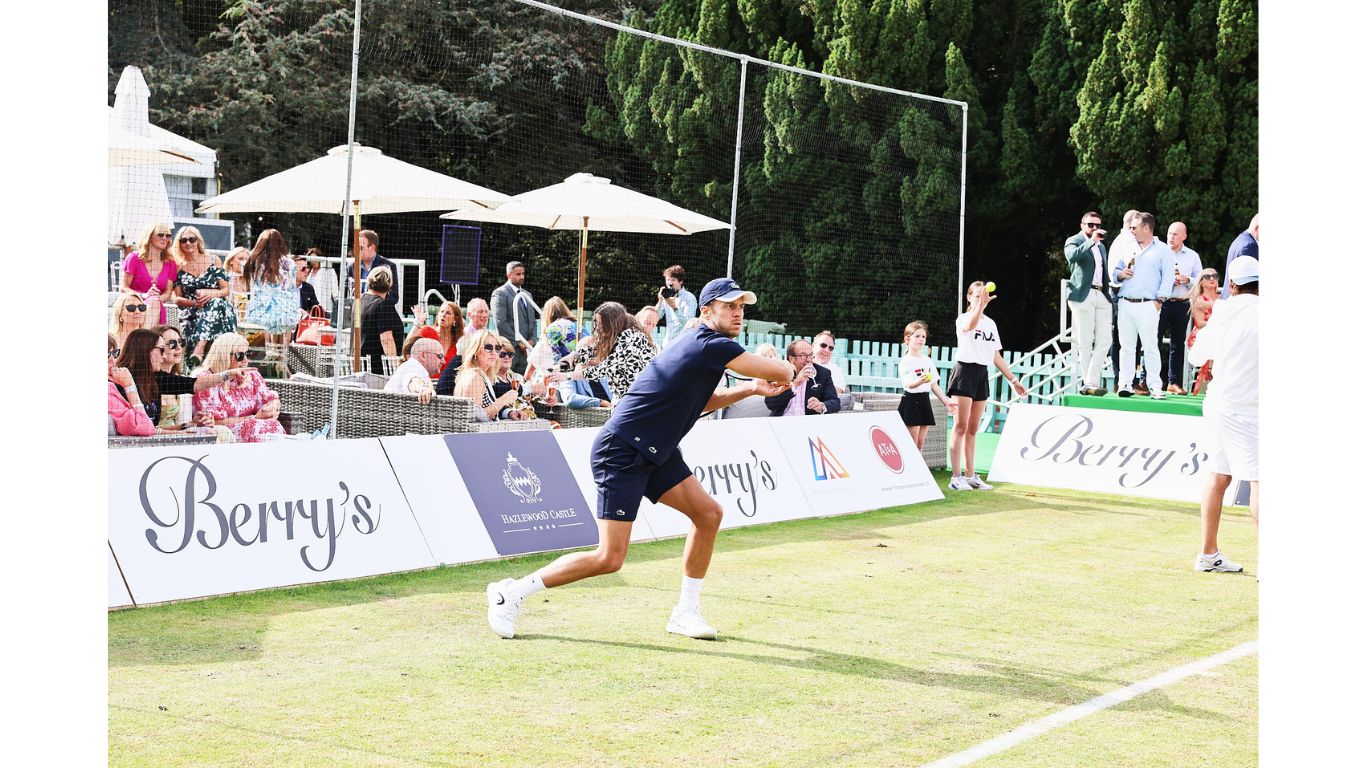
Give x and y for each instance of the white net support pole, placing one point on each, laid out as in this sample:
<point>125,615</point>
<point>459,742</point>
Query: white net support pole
<point>735,176</point>
<point>346,222</point>
<point>963,209</point>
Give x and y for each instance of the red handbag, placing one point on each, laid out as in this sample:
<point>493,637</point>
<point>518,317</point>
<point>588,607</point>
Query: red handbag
<point>311,327</point>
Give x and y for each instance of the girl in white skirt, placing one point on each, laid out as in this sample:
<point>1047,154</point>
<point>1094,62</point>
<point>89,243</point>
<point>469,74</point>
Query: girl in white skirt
<point>919,377</point>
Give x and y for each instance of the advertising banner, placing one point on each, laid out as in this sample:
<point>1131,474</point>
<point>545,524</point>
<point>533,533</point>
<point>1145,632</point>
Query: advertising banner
<point>440,503</point>
<point>118,591</point>
<point>523,490</point>
<point>1153,455</point>
<point>855,462</point>
<point>190,521</point>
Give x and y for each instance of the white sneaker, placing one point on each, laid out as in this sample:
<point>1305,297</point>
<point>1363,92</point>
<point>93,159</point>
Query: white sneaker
<point>959,483</point>
<point>689,623</point>
<point>503,609</point>
<point>1157,394</point>
<point>977,483</point>
<point>1216,563</point>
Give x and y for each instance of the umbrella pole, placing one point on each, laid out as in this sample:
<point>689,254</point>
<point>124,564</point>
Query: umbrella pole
<point>355,285</point>
<point>583,267</point>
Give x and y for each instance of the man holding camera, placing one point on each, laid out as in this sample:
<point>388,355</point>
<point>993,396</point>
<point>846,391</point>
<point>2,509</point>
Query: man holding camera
<point>676,305</point>
<point>1088,296</point>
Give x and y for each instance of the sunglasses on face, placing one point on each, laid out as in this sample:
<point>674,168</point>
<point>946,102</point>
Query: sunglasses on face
<point>190,239</point>
<point>135,307</point>
<point>490,348</point>
<point>162,234</point>
<point>823,345</point>
<point>801,354</point>
<point>115,352</point>
<point>239,356</point>
<point>174,344</point>
<point>162,350</point>
<point>1091,224</point>
<point>506,355</point>
<point>1209,277</point>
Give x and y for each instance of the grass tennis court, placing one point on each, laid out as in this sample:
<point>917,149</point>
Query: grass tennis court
<point>890,638</point>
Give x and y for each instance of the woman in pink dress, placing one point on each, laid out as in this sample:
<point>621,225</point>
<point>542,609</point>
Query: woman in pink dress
<point>1202,298</point>
<point>243,403</point>
<point>149,271</point>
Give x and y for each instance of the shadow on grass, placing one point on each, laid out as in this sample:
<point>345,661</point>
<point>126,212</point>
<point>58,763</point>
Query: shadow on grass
<point>994,679</point>
<point>233,628</point>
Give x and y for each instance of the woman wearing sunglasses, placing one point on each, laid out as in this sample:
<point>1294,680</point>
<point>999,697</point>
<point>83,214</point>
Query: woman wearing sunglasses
<point>1202,298</point>
<point>126,416</point>
<point>143,355</point>
<point>149,271</point>
<point>273,302</point>
<point>508,379</point>
<point>241,401</point>
<point>479,374</point>
<point>127,315</point>
<point>175,409</point>
<point>201,292</point>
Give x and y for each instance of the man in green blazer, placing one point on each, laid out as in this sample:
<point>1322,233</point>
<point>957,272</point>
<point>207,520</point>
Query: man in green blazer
<point>1088,296</point>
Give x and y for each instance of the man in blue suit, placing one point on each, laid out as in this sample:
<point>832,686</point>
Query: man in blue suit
<point>812,392</point>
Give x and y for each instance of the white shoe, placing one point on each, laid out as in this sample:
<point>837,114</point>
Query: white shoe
<point>687,622</point>
<point>1216,563</point>
<point>959,483</point>
<point>977,483</point>
<point>1157,394</point>
<point>503,609</point>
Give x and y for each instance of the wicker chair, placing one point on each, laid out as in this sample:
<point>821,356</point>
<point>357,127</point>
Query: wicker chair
<point>124,441</point>
<point>573,418</point>
<point>376,413</point>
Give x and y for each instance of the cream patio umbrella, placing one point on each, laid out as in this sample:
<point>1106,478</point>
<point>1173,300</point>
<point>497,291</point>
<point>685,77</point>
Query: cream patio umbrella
<point>379,184</point>
<point>587,203</point>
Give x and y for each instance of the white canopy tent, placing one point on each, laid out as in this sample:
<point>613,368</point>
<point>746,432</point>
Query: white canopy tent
<point>137,189</point>
<point>587,203</point>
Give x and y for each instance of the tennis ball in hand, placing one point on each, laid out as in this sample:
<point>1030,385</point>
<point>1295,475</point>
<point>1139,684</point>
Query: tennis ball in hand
<point>991,287</point>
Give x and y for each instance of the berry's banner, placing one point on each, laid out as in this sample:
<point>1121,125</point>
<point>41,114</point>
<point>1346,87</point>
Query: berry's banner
<point>211,521</point>
<point>1154,455</point>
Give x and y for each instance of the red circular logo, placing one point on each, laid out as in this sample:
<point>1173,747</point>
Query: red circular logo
<point>886,449</point>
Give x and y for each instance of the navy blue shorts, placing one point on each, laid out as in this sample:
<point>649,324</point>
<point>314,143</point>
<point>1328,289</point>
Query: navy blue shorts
<point>624,476</point>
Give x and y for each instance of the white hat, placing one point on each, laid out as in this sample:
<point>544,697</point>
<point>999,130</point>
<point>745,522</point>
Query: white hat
<point>1243,270</point>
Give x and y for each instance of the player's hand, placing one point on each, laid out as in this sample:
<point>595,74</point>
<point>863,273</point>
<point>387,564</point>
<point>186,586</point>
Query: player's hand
<point>768,388</point>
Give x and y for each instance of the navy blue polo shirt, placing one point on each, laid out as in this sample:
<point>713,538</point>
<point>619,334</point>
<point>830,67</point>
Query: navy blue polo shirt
<point>667,397</point>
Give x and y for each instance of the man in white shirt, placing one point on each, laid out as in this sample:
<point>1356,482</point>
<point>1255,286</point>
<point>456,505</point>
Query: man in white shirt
<point>414,377</point>
<point>1122,248</point>
<point>1230,339</point>
<point>824,353</point>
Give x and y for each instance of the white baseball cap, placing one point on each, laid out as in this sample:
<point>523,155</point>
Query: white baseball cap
<point>1244,270</point>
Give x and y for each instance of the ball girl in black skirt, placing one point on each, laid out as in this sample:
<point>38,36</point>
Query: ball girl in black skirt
<point>920,377</point>
<point>979,345</point>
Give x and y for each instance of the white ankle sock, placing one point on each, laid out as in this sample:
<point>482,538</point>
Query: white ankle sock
<point>691,592</point>
<point>526,586</point>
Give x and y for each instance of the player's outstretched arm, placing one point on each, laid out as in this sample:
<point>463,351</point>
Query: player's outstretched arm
<point>768,377</point>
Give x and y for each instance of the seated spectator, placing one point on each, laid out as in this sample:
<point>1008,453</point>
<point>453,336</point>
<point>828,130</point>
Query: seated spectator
<point>241,401</point>
<point>142,356</point>
<point>618,351</point>
<point>478,375</point>
<point>128,314</point>
<point>175,409</point>
<point>586,393</point>
<point>381,329</point>
<point>126,415</point>
<point>507,380</point>
<point>767,350</point>
<point>812,392</point>
<point>414,377</point>
<point>648,317</point>
<point>308,296</point>
<point>448,331</point>
<point>559,337</point>
<point>476,316</point>
<point>823,353</point>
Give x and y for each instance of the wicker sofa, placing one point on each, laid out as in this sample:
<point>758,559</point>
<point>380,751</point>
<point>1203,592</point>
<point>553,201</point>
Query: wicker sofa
<point>376,413</point>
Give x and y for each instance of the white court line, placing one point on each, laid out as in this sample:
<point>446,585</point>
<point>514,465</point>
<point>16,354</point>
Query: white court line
<point>1104,701</point>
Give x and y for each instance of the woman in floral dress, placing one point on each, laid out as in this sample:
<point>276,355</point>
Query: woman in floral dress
<point>243,403</point>
<point>201,292</point>
<point>273,302</point>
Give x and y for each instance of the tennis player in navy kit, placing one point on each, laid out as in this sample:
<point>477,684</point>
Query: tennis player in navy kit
<point>636,455</point>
